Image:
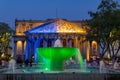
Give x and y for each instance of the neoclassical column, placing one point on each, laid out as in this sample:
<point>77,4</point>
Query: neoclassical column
<point>69,42</point>
<point>88,51</point>
<point>36,45</point>
<point>79,43</point>
<point>27,49</point>
<point>91,52</point>
<point>15,49</point>
<point>53,42</point>
<point>23,49</point>
<point>30,47</point>
<point>44,43</point>
<point>76,42</point>
<point>66,42</point>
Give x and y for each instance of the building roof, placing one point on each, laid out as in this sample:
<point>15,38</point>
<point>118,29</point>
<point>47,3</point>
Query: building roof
<point>57,26</point>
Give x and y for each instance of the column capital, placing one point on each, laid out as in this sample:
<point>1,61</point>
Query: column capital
<point>23,41</point>
<point>15,41</point>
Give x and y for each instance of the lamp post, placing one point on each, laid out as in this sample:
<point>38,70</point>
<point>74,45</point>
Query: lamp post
<point>3,53</point>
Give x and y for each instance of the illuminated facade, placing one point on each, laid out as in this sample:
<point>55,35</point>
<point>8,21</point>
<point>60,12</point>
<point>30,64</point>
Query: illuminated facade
<point>31,34</point>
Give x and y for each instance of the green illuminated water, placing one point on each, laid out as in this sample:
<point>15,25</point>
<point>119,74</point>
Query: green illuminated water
<point>80,59</point>
<point>54,57</point>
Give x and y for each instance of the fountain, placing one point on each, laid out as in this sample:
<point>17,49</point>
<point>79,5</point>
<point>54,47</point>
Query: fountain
<point>55,56</point>
<point>54,63</point>
<point>102,66</point>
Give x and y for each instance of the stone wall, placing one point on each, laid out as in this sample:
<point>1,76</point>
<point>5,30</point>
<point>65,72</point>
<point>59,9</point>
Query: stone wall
<point>59,76</point>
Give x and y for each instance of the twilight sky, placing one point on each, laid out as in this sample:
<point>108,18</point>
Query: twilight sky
<point>45,9</point>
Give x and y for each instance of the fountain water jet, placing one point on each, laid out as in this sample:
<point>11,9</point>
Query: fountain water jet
<point>80,59</point>
<point>58,43</point>
<point>11,65</point>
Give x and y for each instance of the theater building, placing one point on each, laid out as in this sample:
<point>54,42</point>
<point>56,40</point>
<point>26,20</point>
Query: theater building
<point>32,34</point>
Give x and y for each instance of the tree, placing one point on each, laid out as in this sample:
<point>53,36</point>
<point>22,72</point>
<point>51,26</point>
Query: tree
<point>105,27</point>
<point>5,34</point>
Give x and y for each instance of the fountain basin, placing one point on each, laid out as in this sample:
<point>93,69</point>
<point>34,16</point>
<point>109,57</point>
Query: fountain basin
<point>56,56</point>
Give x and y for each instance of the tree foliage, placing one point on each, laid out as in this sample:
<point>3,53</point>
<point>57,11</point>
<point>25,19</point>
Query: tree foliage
<point>105,27</point>
<point>5,34</point>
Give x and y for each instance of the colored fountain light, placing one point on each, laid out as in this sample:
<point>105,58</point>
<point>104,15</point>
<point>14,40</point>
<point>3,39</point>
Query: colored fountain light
<point>55,56</point>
